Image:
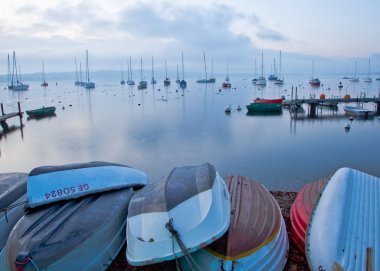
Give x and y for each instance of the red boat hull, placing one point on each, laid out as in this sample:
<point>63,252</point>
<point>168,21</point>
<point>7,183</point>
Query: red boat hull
<point>269,101</point>
<point>226,85</point>
<point>301,210</point>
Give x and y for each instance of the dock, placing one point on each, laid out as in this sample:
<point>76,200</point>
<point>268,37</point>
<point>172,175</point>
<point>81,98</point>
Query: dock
<point>4,117</point>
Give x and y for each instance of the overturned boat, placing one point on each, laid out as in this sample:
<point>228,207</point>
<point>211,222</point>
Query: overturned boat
<point>257,237</point>
<point>183,212</point>
<point>12,198</point>
<point>54,183</point>
<point>301,210</point>
<point>343,232</point>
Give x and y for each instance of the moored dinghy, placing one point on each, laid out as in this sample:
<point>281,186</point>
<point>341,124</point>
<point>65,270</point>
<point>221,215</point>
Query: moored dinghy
<point>12,196</point>
<point>343,232</point>
<point>256,239</point>
<point>193,202</point>
<point>301,210</point>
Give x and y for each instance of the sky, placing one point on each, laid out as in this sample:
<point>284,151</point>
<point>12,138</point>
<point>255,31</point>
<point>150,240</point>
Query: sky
<point>334,33</point>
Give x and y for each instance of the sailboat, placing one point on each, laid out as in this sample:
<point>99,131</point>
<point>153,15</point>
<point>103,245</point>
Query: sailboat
<point>77,83</point>
<point>130,82</point>
<point>254,80</point>
<point>206,80</point>
<point>368,79</point>
<point>314,81</point>
<point>142,84</point>
<point>279,81</point>
<point>273,75</point>
<point>44,83</point>
<point>177,80</point>
<point>82,83</point>
<point>226,83</point>
<point>183,83</point>
<point>261,81</point>
<point>167,80</point>
<point>153,81</point>
<point>122,82</point>
<point>355,79</point>
<point>212,79</point>
<point>19,85</point>
<point>88,84</point>
<point>10,76</point>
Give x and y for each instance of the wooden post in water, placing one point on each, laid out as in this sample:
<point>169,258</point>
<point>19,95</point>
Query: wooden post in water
<point>19,112</point>
<point>2,109</point>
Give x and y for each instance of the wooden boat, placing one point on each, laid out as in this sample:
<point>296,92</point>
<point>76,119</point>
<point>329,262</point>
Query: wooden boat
<point>80,234</point>
<point>183,212</point>
<point>12,195</point>
<point>43,111</point>
<point>357,111</point>
<point>264,107</point>
<point>257,237</point>
<point>301,210</point>
<point>343,232</point>
<point>77,180</point>
<point>269,101</point>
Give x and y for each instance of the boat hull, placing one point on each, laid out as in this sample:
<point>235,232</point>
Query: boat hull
<point>269,101</point>
<point>12,193</point>
<point>256,238</point>
<point>82,234</point>
<point>76,180</point>
<point>357,111</point>
<point>43,111</point>
<point>199,216</point>
<point>344,226</point>
<point>264,107</point>
<point>301,209</point>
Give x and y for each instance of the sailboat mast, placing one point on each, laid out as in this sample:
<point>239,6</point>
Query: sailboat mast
<point>9,72</point>
<point>87,69</point>
<point>141,75</point>
<point>130,65</point>
<point>262,64</point>
<point>166,71</point>
<point>152,70</point>
<point>255,68</point>
<point>43,72</point>
<point>76,68</point>
<point>122,73</point>
<point>279,73</point>
<point>204,60</point>
<point>80,71</point>
<point>177,73</point>
<point>183,69</point>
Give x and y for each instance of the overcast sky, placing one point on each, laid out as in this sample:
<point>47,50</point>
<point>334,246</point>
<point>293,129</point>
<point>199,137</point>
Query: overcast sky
<point>335,33</point>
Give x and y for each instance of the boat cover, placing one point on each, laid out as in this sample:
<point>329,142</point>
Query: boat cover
<point>197,200</point>
<point>343,232</point>
<point>69,235</point>
<point>54,183</point>
<point>12,193</point>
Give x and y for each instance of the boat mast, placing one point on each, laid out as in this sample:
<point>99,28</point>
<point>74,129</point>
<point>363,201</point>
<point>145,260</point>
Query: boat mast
<point>43,72</point>
<point>130,65</point>
<point>166,71</point>
<point>262,64</point>
<point>152,70</point>
<point>312,70</point>
<point>255,68</point>
<point>279,72</point>
<point>87,69</point>
<point>80,71</point>
<point>141,74</point>
<point>177,73</point>
<point>76,68</point>
<point>122,73</point>
<point>204,60</point>
<point>183,69</point>
<point>212,68</point>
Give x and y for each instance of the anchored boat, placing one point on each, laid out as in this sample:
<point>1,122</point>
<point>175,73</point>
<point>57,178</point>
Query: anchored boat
<point>183,212</point>
<point>343,232</point>
<point>12,196</point>
<point>264,107</point>
<point>256,239</point>
<point>301,210</point>
<point>43,111</point>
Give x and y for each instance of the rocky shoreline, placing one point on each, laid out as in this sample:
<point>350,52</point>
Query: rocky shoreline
<point>296,260</point>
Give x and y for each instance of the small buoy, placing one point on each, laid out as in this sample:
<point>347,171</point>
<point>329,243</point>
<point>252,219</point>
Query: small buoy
<point>70,105</point>
<point>238,108</point>
<point>138,104</point>
<point>347,126</point>
<point>228,109</point>
<point>63,108</point>
<point>351,118</point>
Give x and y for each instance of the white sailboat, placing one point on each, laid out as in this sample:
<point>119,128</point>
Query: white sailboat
<point>142,84</point>
<point>19,86</point>
<point>183,83</point>
<point>44,83</point>
<point>88,84</point>
<point>206,80</point>
<point>355,79</point>
<point>167,79</point>
<point>254,80</point>
<point>130,81</point>
<point>77,82</point>
<point>273,75</point>
<point>314,81</point>
<point>122,82</point>
<point>279,81</point>
<point>368,79</point>
<point>261,81</point>
<point>153,81</point>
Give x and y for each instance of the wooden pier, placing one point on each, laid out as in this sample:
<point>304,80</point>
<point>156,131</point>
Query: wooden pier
<point>4,117</point>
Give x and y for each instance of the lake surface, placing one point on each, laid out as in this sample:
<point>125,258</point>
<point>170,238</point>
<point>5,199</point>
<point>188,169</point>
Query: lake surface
<point>157,129</point>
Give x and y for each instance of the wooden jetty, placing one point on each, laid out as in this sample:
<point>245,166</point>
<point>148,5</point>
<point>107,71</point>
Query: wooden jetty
<point>4,117</point>
<point>314,102</point>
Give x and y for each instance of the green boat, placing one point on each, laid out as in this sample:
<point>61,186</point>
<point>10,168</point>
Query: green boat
<point>264,107</point>
<point>43,111</point>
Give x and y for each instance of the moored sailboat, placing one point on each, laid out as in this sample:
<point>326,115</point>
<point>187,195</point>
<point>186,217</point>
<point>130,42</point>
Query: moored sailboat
<point>167,79</point>
<point>143,84</point>
<point>44,83</point>
<point>122,82</point>
<point>16,81</point>
<point>77,82</point>
<point>153,81</point>
<point>130,81</point>
<point>88,84</point>
<point>183,83</point>
<point>261,81</point>
<point>314,81</point>
<point>280,81</point>
<point>355,79</point>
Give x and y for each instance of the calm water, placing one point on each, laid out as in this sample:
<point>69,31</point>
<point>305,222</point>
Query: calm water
<point>156,130</point>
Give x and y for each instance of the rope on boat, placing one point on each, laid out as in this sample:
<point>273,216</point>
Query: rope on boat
<point>22,260</point>
<point>5,210</point>
<point>193,265</point>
